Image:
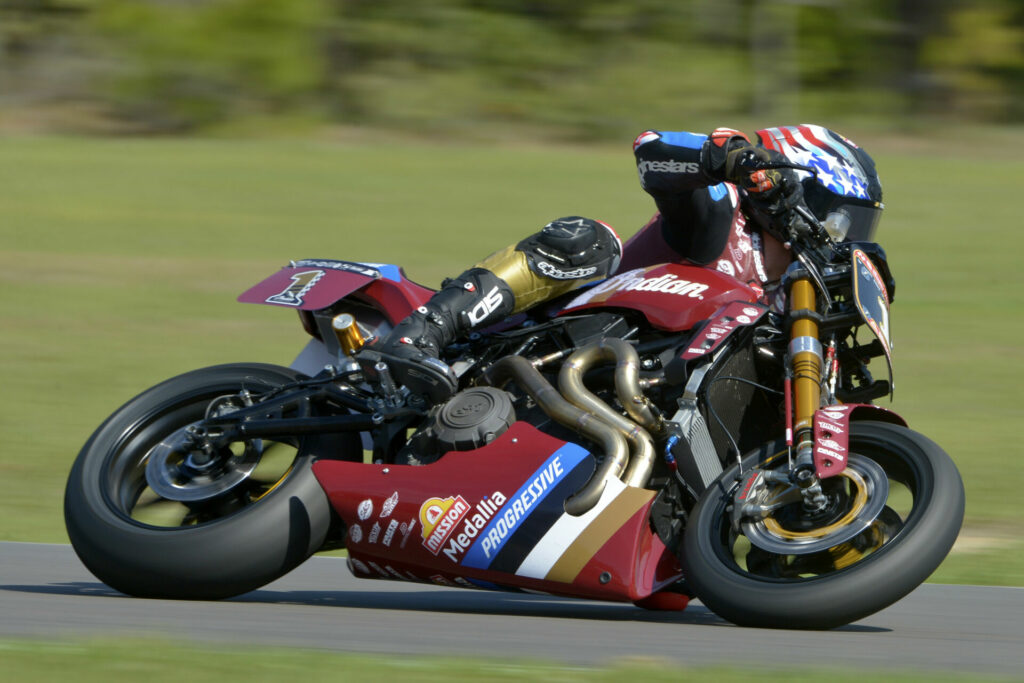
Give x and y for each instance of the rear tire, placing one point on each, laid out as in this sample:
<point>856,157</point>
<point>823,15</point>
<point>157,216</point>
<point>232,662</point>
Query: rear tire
<point>221,547</point>
<point>750,590</point>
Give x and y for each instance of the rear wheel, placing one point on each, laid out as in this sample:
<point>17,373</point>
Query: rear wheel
<point>152,519</point>
<point>896,543</point>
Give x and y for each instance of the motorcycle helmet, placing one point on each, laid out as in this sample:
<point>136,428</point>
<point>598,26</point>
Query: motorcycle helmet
<point>845,193</point>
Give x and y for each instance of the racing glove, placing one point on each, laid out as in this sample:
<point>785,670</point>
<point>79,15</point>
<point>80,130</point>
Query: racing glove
<point>729,156</point>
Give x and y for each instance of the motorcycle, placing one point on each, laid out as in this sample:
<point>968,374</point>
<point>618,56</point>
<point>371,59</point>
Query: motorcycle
<point>659,435</point>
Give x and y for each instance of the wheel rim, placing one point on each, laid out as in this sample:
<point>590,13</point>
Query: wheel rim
<point>856,508</point>
<point>830,547</point>
<point>149,480</point>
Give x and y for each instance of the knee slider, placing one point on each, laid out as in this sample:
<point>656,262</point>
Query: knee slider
<point>572,248</point>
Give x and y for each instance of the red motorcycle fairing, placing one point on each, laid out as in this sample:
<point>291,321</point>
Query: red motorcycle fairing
<point>671,296</point>
<point>728,320</point>
<point>494,518</point>
<point>313,284</point>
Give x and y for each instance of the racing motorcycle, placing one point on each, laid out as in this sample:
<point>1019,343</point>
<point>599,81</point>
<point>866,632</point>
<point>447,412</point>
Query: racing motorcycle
<point>659,435</point>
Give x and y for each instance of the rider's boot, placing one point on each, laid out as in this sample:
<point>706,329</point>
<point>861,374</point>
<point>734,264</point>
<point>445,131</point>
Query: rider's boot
<point>566,253</point>
<point>477,298</point>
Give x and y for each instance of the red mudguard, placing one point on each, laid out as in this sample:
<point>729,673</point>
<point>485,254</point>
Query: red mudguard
<point>832,433</point>
<point>312,284</point>
<point>494,518</point>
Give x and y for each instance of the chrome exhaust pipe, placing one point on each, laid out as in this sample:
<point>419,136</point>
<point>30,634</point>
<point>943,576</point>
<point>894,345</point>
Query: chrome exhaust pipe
<point>547,397</point>
<point>627,389</point>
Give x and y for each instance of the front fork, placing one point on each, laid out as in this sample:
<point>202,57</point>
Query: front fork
<point>805,373</point>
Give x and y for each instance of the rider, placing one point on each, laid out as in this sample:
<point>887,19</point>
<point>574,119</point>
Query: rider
<point>719,203</point>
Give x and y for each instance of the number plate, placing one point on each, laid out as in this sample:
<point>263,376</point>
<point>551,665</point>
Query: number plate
<point>872,301</point>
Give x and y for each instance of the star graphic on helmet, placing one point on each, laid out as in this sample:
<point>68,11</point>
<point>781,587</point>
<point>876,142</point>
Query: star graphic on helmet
<point>801,156</point>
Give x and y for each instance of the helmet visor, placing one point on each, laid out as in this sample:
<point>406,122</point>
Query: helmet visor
<point>863,220</point>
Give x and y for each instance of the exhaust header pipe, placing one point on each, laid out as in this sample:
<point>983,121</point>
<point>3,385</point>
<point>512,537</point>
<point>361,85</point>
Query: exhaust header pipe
<point>627,389</point>
<point>547,397</point>
<point>582,411</point>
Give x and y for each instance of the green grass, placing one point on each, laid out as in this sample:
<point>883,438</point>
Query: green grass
<point>155,662</point>
<point>120,261</point>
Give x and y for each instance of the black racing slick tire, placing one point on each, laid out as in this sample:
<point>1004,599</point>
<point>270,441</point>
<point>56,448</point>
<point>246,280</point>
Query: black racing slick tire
<point>230,543</point>
<point>751,587</point>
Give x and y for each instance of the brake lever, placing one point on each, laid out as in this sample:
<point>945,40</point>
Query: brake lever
<point>764,165</point>
<point>798,167</point>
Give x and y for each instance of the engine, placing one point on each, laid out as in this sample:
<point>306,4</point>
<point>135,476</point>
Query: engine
<point>470,419</point>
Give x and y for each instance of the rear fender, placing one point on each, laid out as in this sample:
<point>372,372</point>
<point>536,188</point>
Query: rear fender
<point>315,284</point>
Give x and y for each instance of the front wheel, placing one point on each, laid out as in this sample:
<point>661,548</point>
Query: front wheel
<point>151,519</point>
<point>913,531</point>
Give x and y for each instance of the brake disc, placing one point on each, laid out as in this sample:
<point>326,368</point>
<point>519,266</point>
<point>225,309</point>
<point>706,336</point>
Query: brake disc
<point>174,473</point>
<point>869,490</point>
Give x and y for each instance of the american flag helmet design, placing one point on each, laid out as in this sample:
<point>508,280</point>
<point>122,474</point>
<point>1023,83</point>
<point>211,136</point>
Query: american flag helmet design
<point>842,167</point>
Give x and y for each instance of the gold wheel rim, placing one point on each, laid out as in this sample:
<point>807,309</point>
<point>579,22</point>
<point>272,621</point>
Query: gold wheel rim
<point>860,499</point>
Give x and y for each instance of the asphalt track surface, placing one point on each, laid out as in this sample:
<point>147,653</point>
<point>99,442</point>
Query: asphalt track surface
<point>45,593</point>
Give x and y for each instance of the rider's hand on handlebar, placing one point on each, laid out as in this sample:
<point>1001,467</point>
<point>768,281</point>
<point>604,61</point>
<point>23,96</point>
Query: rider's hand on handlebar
<point>773,188</point>
<point>773,191</point>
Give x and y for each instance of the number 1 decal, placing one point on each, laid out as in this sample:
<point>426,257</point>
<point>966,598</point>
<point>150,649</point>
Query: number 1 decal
<point>301,283</point>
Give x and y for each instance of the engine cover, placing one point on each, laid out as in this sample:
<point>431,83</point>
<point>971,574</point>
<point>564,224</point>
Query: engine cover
<point>473,418</point>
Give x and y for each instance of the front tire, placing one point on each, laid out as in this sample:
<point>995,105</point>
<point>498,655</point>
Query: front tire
<point>911,537</point>
<point>231,542</point>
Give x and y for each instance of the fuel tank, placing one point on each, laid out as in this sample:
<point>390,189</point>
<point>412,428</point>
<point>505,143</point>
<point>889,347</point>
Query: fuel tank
<point>672,296</point>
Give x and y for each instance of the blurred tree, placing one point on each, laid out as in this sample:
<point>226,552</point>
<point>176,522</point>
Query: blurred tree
<point>31,32</point>
<point>979,60</point>
<point>585,68</point>
<point>176,65</point>
<point>918,19</point>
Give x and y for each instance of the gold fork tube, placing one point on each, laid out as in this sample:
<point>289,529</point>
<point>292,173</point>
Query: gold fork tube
<point>805,354</point>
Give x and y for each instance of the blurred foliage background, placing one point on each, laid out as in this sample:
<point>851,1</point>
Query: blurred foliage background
<point>577,69</point>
